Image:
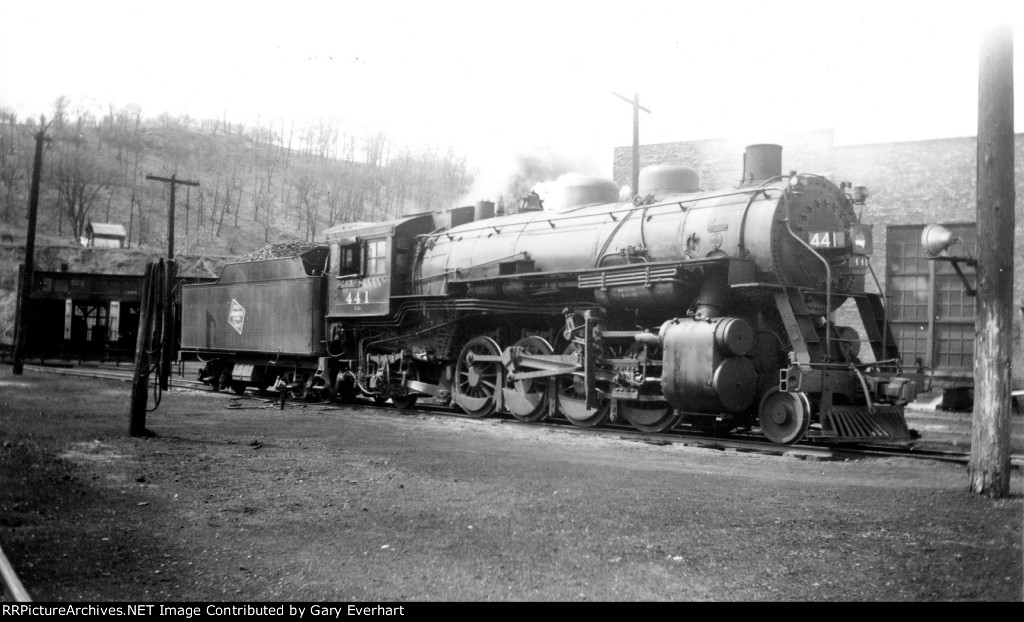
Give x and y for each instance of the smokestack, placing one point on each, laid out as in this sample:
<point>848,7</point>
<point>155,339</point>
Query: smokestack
<point>760,163</point>
<point>483,210</point>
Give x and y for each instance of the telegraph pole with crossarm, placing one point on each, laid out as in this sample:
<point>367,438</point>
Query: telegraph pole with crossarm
<point>635,102</point>
<point>168,320</point>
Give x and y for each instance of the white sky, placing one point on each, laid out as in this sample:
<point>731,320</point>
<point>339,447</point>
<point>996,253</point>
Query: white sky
<point>493,79</point>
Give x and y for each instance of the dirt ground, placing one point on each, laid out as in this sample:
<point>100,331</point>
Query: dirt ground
<point>236,500</point>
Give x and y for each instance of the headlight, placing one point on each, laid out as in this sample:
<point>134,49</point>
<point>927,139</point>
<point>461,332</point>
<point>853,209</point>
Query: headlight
<point>860,239</point>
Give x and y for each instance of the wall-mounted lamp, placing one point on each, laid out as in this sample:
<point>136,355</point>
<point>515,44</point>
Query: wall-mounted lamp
<point>936,240</point>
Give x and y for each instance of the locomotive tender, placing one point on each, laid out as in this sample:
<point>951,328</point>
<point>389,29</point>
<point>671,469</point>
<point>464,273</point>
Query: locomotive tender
<point>714,309</point>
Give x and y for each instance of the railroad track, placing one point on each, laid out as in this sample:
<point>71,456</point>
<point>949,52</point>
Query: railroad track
<point>111,373</point>
<point>813,451</point>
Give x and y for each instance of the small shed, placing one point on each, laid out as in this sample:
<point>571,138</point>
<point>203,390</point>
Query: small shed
<point>105,235</point>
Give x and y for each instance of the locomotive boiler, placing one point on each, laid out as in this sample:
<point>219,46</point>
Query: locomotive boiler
<point>713,309</point>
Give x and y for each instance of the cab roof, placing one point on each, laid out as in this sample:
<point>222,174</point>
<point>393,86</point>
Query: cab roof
<point>348,232</point>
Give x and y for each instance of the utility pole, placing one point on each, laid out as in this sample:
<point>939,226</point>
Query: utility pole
<point>168,319</point>
<point>635,102</point>
<point>27,273</point>
<point>174,181</point>
<point>147,334</point>
<point>989,465</point>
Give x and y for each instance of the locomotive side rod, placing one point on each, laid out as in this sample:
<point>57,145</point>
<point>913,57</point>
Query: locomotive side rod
<point>543,365</point>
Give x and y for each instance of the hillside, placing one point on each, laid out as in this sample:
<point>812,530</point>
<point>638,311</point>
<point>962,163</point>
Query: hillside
<point>256,185</point>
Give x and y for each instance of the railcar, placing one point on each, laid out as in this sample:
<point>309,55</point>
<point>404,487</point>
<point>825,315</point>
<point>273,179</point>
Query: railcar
<point>713,309</point>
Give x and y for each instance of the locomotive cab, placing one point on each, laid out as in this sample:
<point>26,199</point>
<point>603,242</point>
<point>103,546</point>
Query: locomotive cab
<point>370,264</point>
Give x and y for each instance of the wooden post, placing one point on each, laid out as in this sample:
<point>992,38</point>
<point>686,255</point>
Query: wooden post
<point>636,138</point>
<point>140,378</point>
<point>989,465</point>
<point>28,273</point>
<point>168,319</point>
<point>168,343</point>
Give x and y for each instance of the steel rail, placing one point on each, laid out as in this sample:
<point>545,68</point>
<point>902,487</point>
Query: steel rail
<point>813,450</point>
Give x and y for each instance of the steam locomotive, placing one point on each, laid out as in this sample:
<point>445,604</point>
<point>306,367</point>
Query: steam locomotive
<point>711,309</point>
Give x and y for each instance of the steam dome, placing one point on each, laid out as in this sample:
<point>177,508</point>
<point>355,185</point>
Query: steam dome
<point>664,179</point>
<point>582,191</point>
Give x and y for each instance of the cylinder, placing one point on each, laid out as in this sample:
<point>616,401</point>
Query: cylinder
<point>698,373</point>
<point>734,336</point>
<point>735,383</point>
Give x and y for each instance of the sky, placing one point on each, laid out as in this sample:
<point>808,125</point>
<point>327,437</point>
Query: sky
<point>497,79</point>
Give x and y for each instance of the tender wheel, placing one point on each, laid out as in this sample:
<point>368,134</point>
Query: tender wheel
<point>477,382</point>
<point>407,401</point>
<point>784,417</point>
<point>345,391</point>
<point>298,391</point>
<point>321,391</point>
<point>527,399</point>
<point>219,380</point>
<point>238,388</point>
<point>648,416</point>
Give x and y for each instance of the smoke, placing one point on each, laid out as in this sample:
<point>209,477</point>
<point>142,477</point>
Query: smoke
<point>539,169</point>
<point>541,166</point>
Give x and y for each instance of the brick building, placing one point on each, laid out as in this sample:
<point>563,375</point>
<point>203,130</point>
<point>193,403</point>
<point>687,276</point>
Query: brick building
<point>911,184</point>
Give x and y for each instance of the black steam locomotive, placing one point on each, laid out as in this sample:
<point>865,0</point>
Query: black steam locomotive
<point>714,309</point>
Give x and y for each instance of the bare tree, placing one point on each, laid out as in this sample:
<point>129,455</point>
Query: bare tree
<point>60,114</point>
<point>10,157</point>
<point>227,202</point>
<point>213,209</point>
<point>309,190</point>
<point>79,178</point>
<point>375,148</point>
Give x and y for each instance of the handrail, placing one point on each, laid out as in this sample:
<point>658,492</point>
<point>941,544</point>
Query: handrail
<point>626,207</point>
<point>441,275</point>
<point>763,188</point>
<point>828,279</point>
<point>885,310</point>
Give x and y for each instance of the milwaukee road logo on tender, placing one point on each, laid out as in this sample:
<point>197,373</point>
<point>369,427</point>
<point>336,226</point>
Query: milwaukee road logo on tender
<point>236,317</point>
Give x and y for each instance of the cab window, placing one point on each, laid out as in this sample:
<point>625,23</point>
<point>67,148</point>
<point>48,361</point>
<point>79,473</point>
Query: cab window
<point>347,260</point>
<point>376,257</point>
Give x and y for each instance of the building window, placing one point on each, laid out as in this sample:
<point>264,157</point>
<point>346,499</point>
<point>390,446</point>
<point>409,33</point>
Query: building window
<point>931,315</point>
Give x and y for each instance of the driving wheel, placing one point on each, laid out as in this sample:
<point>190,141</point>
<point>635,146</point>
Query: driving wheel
<point>572,398</point>
<point>527,399</point>
<point>477,382</point>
